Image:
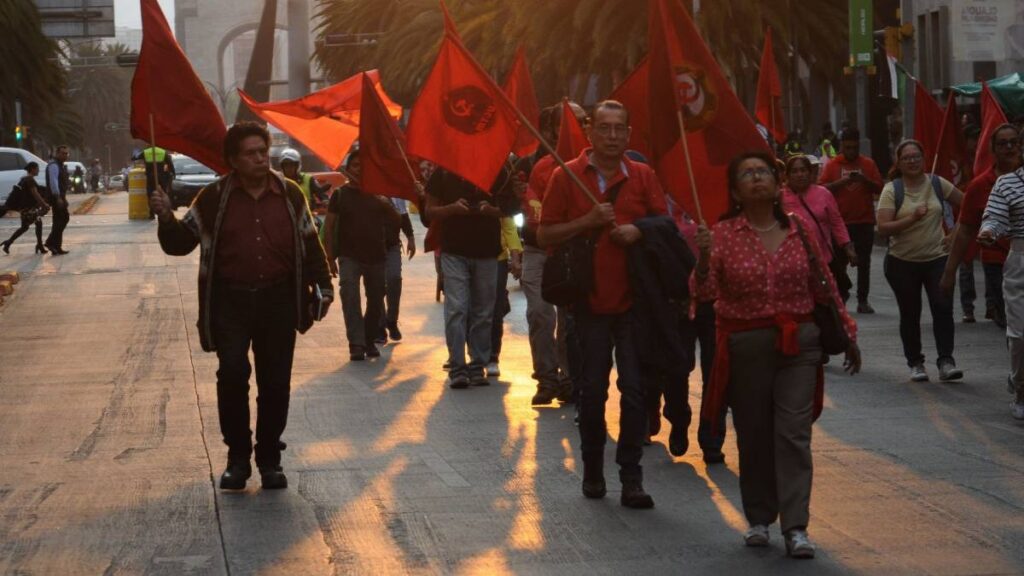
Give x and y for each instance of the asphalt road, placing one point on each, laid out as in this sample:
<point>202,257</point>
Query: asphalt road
<point>110,449</point>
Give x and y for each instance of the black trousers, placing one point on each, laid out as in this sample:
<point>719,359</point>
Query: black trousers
<point>61,217</point>
<point>863,238</point>
<point>907,280</point>
<point>264,320</point>
<point>30,217</point>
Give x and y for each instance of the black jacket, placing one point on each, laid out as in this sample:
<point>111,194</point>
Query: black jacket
<point>659,277</point>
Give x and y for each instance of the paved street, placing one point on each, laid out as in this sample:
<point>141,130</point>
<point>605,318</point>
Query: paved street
<point>110,448</point>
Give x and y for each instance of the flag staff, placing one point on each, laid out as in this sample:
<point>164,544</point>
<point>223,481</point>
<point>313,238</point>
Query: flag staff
<point>689,166</point>
<point>152,147</point>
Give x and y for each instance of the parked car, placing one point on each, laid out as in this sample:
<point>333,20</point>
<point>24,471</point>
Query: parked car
<point>189,178</point>
<point>12,169</point>
<point>116,182</point>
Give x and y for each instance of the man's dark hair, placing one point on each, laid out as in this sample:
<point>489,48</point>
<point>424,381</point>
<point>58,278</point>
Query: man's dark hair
<point>241,131</point>
<point>611,105</point>
<point>850,135</point>
<point>31,166</point>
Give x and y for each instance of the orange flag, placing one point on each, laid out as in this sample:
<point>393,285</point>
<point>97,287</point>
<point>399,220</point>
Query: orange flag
<point>992,117</point>
<point>462,121</point>
<point>572,141</point>
<point>684,77</point>
<point>326,121</point>
<point>165,86</point>
<point>519,88</point>
<point>633,93</point>
<point>386,170</point>
<point>769,93</point>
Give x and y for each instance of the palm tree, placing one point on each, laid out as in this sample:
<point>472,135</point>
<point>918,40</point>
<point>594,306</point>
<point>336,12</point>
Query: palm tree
<point>102,97</point>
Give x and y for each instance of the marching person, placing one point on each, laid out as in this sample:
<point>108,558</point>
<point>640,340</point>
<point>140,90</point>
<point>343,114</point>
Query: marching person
<point>58,182</point>
<point>510,261</point>
<point>354,230</point>
<point>914,213</point>
<point>159,170</point>
<point>756,269</point>
<point>291,167</point>
<point>259,253</point>
<point>627,191</point>
<point>31,208</point>
<point>393,271</point>
<point>854,179</point>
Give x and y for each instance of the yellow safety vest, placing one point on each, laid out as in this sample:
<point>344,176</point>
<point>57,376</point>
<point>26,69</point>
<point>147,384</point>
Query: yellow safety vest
<point>149,153</point>
<point>306,190</point>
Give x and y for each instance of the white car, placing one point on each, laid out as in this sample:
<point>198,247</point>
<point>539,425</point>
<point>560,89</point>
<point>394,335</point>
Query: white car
<point>12,169</point>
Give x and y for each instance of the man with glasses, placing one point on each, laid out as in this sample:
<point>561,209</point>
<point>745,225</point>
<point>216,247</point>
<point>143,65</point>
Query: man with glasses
<point>855,179</point>
<point>625,191</point>
<point>1006,147</point>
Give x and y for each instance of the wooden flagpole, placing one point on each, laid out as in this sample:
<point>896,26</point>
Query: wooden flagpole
<point>689,166</point>
<point>152,146</point>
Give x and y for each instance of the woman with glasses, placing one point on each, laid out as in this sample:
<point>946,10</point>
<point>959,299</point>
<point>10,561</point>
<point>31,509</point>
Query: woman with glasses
<point>757,268</point>
<point>914,212</point>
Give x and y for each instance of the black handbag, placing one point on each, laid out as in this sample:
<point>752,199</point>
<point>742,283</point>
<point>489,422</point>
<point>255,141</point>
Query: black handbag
<point>568,275</point>
<point>833,336</point>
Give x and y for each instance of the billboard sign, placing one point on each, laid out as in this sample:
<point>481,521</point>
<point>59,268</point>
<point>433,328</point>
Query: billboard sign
<point>77,18</point>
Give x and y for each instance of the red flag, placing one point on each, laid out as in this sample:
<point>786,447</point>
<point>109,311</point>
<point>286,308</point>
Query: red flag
<point>386,170</point>
<point>572,141</point>
<point>992,117</point>
<point>165,86</point>
<point>633,94</point>
<point>684,78</point>
<point>462,121</point>
<point>519,88</point>
<point>326,121</point>
<point>769,93</point>
<point>928,122</point>
<point>951,149</point>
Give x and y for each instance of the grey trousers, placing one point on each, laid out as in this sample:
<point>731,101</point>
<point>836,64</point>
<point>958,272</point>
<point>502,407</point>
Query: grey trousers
<point>469,289</point>
<point>547,324</point>
<point>1013,296</point>
<point>360,328</point>
<point>772,401</point>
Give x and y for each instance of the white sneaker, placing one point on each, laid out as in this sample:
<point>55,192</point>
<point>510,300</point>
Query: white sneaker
<point>757,535</point>
<point>798,545</point>
<point>918,373</point>
<point>1018,410</point>
<point>492,370</point>
<point>948,371</point>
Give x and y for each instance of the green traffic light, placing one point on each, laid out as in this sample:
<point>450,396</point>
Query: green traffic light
<point>18,133</point>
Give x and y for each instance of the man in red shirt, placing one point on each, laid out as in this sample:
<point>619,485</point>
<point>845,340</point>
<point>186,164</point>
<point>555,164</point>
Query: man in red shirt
<point>626,191</point>
<point>1006,147</point>
<point>855,180</point>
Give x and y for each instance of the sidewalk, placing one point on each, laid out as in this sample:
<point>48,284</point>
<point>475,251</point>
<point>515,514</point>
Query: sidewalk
<point>111,448</point>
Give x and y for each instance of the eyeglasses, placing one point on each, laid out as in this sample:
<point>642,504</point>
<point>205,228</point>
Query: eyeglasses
<point>911,158</point>
<point>611,129</point>
<point>1011,143</point>
<point>751,173</point>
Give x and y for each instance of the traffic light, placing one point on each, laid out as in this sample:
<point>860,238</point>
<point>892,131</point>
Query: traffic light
<point>19,134</point>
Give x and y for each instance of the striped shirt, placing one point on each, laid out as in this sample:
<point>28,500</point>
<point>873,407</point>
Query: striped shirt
<point>1004,214</point>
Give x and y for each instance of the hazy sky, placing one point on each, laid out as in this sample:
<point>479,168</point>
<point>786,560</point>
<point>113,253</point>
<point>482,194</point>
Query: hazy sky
<point>126,13</point>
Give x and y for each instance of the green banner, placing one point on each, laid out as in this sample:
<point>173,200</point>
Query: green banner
<point>861,33</point>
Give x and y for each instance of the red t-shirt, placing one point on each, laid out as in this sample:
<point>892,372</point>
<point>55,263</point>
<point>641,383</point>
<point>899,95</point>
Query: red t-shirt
<point>534,197</point>
<point>641,195</point>
<point>972,209</point>
<point>856,200</point>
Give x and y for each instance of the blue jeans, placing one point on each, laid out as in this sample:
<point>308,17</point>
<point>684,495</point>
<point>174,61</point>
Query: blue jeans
<point>501,308</point>
<point>469,290</point>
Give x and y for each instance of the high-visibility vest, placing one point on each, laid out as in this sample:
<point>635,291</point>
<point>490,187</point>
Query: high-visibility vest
<point>152,155</point>
<point>304,184</point>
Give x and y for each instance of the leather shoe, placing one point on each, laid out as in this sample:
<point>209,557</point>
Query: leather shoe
<point>273,478</point>
<point>593,479</point>
<point>678,441</point>
<point>714,457</point>
<point>633,495</point>
<point>544,396</point>
<point>235,475</point>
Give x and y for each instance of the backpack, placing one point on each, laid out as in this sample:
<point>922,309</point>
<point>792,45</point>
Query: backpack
<point>899,190</point>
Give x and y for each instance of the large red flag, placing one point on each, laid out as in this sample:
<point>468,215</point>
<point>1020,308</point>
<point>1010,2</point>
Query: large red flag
<point>769,93</point>
<point>166,87</point>
<point>992,117</point>
<point>951,149</point>
<point>684,78</point>
<point>519,88</point>
<point>386,170</point>
<point>928,116</point>
<point>326,121</point>
<point>572,141</point>
<point>634,95</point>
<point>462,121</point>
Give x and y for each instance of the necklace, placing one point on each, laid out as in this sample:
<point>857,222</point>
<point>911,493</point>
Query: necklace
<point>764,230</point>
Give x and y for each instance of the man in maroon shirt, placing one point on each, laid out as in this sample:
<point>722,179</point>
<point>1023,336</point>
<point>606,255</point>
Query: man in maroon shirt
<point>855,180</point>
<point>259,253</point>
<point>627,191</point>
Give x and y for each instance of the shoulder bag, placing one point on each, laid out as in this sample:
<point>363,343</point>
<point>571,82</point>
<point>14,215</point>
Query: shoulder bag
<point>834,339</point>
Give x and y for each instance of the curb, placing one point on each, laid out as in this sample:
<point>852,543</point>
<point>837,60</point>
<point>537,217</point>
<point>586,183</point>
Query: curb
<point>7,281</point>
<point>87,205</point>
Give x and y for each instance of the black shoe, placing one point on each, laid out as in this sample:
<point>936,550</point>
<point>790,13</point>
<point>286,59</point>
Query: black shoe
<point>40,249</point>
<point>565,394</point>
<point>357,354</point>
<point>395,333</point>
<point>372,352</point>
<point>58,251</point>
<point>714,457</point>
<point>678,441</point>
<point>544,396</point>
<point>479,380</point>
<point>235,475</point>
<point>633,495</point>
<point>864,308</point>
<point>459,382</point>
<point>273,478</point>
<point>381,338</point>
<point>7,247</point>
<point>593,480</point>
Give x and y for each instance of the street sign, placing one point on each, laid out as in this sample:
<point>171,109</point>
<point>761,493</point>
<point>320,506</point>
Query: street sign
<point>77,18</point>
<point>861,33</point>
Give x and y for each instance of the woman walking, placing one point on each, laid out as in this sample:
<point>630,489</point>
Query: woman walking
<point>914,213</point>
<point>32,207</point>
<point>763,274</point>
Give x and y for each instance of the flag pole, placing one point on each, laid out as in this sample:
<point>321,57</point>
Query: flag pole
<point>408,165</point>
<point>547,146</point>
<point>152,146</point>
<point>689,166</point>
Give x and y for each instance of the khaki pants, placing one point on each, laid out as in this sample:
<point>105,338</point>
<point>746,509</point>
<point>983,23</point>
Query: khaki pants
<point>772,401</point>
